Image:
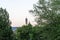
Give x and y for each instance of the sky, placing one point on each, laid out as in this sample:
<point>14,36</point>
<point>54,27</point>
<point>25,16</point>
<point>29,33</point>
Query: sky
<point>19,10</point>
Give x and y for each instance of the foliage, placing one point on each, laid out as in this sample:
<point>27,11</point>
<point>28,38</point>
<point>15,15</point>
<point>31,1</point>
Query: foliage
<point>48,19</point>
<point>5,28</point>
<point>47,13</point>
<point>24,32</point>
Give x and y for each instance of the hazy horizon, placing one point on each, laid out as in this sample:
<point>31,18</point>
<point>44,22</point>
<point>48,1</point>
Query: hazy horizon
<point>19,10</point>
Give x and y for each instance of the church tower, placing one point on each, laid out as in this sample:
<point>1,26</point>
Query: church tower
<point>26,21</point>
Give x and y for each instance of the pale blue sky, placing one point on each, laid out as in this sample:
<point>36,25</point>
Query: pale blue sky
<point>19,10</point>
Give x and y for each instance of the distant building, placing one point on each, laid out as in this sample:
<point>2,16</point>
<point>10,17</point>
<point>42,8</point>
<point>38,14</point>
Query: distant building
<point>26,20</point>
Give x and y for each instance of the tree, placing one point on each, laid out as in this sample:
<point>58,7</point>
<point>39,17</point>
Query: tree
<point>24,32</point>
<point>5,25</point>
<point>48,14</point>
<point>36,31</point>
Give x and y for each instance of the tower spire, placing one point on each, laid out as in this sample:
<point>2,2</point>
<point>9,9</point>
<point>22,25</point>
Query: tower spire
<point>26,20</point>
